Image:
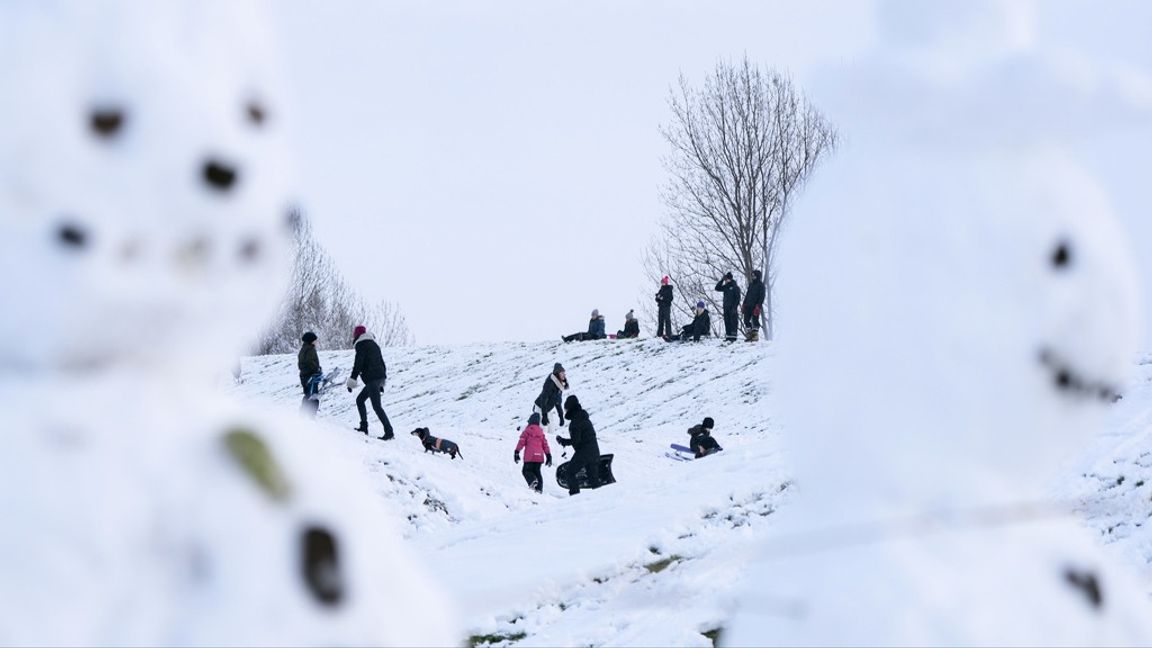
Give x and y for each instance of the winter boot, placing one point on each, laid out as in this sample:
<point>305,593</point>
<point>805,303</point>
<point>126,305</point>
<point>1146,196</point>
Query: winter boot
<point>753,335</point>
<point>362,428</point>
<point>388,436</point>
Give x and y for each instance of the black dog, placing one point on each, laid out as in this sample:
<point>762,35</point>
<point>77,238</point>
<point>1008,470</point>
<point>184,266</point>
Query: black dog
<point>433,444</point>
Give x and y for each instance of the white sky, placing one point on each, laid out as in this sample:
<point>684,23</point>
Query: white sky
<point>494,166</point>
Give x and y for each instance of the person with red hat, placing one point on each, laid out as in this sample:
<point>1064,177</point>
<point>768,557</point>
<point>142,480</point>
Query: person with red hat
<point>369,364</point>
<point>664,309</point>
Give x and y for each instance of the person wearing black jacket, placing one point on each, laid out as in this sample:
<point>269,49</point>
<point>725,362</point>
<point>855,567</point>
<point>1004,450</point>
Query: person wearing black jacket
<point>586,451</point>
<point>664,309</point>
<point>631,327</point>
<point>369,364</point>
<point>702,442</point>
<point>754,305</point>
<point>549,397</point>
<point>308,362</point>
<point>701,324</point>
<point>731,291</point>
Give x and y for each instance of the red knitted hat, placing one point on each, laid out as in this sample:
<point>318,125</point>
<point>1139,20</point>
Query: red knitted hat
<point>664,281</point>
<point>358,331</point>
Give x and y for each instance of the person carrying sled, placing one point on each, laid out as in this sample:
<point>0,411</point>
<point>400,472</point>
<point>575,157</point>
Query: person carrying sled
<point>631,327</point>
<point>731,290</point>
<point>701,441</point>
<point>754,306</point>
<point>535,446</point>
<point>664,309</point>
<point>550,395</point>
<point>308,362</point>
<point>582,438</point>
<point>595,330</point>
<point>369,364</point>
<point>701,324</point>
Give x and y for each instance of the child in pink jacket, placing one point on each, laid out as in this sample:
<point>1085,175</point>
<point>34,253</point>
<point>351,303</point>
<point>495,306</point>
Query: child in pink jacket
<point>535,447</point>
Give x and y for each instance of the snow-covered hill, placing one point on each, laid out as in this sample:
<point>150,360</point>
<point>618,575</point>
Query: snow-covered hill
<point>657,558</point>
<point>648,560</point>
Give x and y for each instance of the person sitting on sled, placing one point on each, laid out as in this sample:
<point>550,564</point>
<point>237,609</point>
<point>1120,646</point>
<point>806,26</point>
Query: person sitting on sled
<point>702,442</point>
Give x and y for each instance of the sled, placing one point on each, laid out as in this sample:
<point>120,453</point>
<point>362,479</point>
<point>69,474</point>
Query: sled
<point>606,476</point>
<point>311,404</point>
<point>680,453</point>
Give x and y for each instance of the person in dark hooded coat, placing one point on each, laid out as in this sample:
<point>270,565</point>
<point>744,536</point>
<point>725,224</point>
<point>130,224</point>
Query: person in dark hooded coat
<point>582,438</point>
<point>754,304</point>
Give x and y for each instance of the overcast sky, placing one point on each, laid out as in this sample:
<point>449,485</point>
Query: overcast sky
<point>494,167</point>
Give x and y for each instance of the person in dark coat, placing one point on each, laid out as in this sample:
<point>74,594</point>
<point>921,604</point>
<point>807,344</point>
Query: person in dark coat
<point>701,324</point>
<point>631,327</point>
<point>664,309</point>
<point>701,441</point>
<point>308,362</point>
<point>731,291</point>
<point>754,305</point>
<point>586,451</point>
<point>550,395</point>
<point>595,330</point>
<point>369,364</point>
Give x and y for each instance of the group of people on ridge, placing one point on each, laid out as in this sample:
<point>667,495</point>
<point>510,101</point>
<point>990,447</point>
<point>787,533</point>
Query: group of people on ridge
<point>752,308</point>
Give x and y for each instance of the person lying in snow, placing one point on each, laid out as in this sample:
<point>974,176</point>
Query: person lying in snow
<point>595,330</point>
<point>702,442</point>
<point>535,447</point>
<point>631,327</point>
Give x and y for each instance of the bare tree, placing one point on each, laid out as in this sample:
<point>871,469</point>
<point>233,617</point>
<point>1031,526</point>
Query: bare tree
<point>320,300</point>
<point>742,146</point>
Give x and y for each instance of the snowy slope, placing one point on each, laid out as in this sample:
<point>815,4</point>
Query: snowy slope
<point>1112,483</point>
<point>657,558</point>
<point>649,560</point>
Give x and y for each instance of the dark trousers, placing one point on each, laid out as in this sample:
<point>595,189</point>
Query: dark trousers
<point>751,319</point>
<point>531,472</point>
<point>731,323</point>
<point>310,383</point>
<point>592,470</point>
<point>544,413</point>
<point>371,392</point>
<point>664,321</point>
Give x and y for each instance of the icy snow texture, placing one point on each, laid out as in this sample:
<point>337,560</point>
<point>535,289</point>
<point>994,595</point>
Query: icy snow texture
<point>129,278</point>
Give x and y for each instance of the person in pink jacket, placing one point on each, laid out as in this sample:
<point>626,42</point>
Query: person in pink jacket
<point>535,447</point>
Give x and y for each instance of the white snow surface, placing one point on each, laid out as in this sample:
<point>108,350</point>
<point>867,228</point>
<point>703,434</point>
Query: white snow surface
<point>570,570</point>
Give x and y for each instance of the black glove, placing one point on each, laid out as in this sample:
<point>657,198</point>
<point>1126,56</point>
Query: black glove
<point>349,390</point>
<point>549,462</point>
<point>562,441</point>
<point>516,457</point>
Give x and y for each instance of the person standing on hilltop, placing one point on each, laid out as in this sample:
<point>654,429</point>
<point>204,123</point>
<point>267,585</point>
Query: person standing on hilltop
<point>754,306</point>
<point>731,290</point>
<point>664,309</point>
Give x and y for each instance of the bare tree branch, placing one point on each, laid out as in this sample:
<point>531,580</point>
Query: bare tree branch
<point>742,145</point>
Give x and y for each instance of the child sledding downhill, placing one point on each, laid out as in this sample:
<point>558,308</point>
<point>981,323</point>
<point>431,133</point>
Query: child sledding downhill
<point>534,443</point>
<point>702,443</point>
